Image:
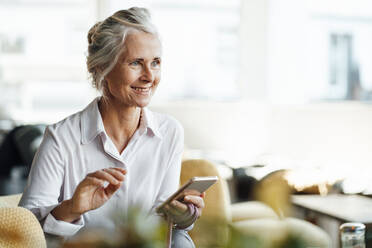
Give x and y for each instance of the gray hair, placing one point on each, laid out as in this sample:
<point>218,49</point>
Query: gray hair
<point>106,41</point>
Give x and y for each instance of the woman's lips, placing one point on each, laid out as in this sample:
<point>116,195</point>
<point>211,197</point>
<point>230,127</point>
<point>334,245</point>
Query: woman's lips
<point>142,90</point>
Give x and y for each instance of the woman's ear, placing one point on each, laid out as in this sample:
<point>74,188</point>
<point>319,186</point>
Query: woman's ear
<point>105,88</point>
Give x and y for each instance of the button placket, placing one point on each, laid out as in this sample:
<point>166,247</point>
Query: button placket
<point>110,149</point>
<point>122,200</point>
<point>121,164</point>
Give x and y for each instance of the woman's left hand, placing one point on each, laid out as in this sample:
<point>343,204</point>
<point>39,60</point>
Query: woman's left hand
<point>177,209</point>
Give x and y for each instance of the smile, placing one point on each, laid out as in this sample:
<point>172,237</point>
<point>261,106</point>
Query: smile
<point>142,91</point>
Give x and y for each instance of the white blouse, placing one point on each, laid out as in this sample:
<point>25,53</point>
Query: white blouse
<point>79,145</point>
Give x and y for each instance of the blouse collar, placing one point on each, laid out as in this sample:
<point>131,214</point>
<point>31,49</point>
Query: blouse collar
<point>91,123</point>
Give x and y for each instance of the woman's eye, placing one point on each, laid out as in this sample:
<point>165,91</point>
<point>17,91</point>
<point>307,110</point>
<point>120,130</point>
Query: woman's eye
<point>135,63</point>
<point>155,63</point>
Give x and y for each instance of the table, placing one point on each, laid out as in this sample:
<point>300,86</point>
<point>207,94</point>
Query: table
<point>338,207</point>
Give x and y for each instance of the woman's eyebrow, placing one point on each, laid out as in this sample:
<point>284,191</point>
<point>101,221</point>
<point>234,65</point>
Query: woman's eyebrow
<point>134,59</point>
<point>142,59</point>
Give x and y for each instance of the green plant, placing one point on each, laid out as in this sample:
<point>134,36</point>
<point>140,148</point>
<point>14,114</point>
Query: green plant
<point>136,230</point>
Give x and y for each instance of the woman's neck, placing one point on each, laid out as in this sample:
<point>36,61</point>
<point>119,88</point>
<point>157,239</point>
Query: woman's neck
<point>120,121</point>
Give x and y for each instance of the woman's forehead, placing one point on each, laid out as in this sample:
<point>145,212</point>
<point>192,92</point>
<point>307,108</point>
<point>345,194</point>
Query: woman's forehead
<point>141,44</point>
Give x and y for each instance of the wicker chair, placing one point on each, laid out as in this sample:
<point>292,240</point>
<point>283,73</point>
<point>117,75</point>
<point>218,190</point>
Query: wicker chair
<point>252,218</point>
<point>19,227</point>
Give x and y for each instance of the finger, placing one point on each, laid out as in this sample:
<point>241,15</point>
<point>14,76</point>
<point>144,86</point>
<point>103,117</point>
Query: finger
<point>166,210</point>
<point>169,210</point>
<point>189,192</point>
<point>123,171</point>
<point>166,207</point>
<point>111,189</point>
<point>178,207</point>
<point>173,211</point>
<point>196,200</point>
<point>103,175</point>
<point>203,195</point>
<point>115,173</point>
<point>90,180</point>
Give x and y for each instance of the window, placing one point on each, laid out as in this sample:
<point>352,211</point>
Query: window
<point>42,60</point>
<point>200,42</point>
<point>43,75</point>
<point>319,50</point>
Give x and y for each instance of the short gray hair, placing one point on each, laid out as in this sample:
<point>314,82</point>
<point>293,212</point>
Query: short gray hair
<point>106,41</point>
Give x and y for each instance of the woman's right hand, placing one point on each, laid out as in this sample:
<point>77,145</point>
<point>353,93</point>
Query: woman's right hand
<point>90,193</point>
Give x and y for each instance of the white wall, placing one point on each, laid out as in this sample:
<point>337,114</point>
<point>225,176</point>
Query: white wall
<point>332,136</point>
<point>238,130</point>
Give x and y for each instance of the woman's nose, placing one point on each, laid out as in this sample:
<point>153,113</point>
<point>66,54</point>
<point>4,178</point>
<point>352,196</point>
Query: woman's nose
<point>147,74</point>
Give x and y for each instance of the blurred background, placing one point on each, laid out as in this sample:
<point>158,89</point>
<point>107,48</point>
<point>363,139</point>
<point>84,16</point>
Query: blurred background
<point>249,79</point>
<point>265,84</point>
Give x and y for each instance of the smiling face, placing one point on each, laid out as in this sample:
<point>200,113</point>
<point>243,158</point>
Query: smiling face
<point>133,80</point>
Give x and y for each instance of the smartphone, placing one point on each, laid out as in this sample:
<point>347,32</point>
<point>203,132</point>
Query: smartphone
<point>199,184</point>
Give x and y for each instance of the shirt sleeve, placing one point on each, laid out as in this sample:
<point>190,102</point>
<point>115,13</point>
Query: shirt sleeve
<point>171,180</point>
<point>43,191</point>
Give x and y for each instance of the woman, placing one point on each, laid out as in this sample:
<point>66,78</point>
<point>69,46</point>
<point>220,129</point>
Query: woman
<point>115,154</point>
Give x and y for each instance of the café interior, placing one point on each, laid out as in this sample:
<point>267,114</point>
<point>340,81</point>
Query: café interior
<point>274,96</point>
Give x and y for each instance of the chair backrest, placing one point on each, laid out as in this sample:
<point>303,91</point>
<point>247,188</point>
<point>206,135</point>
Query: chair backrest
<point>217,210</point>
<point>19,147</point>
<point>27,140</point>
<point>19,228</point>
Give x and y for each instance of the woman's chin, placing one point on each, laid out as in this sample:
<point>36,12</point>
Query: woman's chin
<point>143,102</point>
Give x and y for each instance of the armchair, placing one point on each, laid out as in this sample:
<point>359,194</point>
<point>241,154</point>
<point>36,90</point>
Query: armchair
<point>18,226</point>
<point>252,218</point>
